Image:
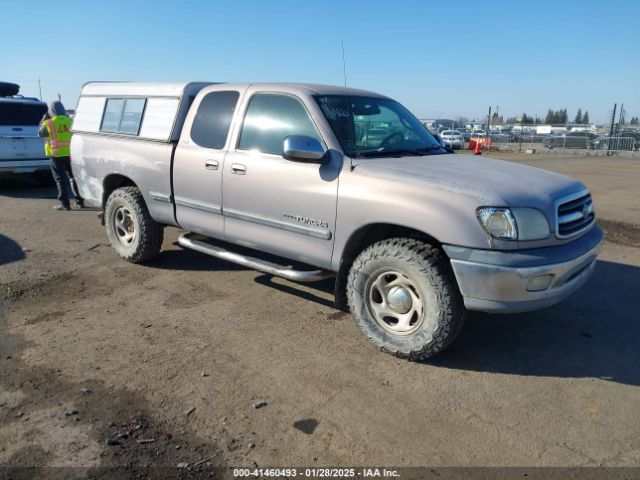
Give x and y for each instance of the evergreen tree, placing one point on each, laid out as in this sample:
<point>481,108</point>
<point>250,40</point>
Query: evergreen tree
<point>585,117</point>
<point>550,118</point>
<point>526,119</point>
<point>564,117</point>
<point>578,118</point>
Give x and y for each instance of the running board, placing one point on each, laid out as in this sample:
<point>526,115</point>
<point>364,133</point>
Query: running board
<point>251,262</point>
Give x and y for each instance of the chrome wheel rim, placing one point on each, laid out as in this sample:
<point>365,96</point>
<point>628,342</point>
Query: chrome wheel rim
<point>124,226</point>
<point>394,302</point>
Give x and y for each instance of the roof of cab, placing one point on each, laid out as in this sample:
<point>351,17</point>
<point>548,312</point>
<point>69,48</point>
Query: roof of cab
<point>312,89</point>
<point>153,89</point>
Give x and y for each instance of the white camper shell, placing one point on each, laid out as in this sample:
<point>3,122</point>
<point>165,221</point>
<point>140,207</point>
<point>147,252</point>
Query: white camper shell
<point>149,111</point>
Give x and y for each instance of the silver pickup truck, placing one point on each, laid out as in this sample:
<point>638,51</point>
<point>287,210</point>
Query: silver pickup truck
<point>333,182</point>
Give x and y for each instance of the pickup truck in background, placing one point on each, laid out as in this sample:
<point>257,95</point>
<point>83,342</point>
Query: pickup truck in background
<point>21,150</point>
<point>414,234</point>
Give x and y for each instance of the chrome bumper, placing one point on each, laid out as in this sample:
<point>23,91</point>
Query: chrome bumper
<point>502,281</point>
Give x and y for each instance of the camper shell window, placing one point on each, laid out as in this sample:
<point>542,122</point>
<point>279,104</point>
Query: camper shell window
<point>123,115</point>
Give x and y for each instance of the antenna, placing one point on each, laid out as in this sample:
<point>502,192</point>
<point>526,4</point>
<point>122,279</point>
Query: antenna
<point>346,100</point>
<point>344,66</point>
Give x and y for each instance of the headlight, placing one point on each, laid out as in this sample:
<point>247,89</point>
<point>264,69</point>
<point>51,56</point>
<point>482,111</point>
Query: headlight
<point>532,224</point>
<point>514,224</point>
<point>499,222</point>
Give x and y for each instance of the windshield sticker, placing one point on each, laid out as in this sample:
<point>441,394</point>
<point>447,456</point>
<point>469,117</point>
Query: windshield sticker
<point>339,112</point>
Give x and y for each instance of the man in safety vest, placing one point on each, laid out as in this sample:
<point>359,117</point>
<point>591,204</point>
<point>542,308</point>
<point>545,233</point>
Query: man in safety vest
<point>56,129</point>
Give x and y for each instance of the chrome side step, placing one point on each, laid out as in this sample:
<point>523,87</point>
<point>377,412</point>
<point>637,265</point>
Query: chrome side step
<point>289,273</point>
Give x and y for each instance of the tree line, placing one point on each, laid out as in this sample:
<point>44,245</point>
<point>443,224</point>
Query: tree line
<point>559,117</point>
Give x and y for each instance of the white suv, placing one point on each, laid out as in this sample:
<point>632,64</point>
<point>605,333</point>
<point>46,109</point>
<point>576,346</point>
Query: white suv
<point>21,150</point>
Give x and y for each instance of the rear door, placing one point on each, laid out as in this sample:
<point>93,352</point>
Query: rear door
<point>20,145</point>
<point>199,160</point>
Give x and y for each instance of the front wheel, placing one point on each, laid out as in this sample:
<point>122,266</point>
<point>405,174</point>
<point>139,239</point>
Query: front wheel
<point>134,235</point>
<point>403,295</point>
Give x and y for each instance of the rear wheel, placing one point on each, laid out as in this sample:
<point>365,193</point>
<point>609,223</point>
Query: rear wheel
<point>134,235</point>
<point>403,295</point>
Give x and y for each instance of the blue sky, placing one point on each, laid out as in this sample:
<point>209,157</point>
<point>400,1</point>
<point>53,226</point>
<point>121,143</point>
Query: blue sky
<point>440,59</point>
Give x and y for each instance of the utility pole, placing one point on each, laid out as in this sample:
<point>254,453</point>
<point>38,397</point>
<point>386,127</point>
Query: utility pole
<point>620,120</point>
<point>59,97</point>
<point>613,121</point>
<point>488,121</point>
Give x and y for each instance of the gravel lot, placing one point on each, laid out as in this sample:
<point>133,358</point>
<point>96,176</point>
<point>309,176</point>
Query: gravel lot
<point>103,363</point>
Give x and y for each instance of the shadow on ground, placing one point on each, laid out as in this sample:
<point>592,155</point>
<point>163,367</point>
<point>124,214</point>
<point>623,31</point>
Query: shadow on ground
<point>10,250</point>
<point>27,186</point>
<point>190,260</point>
<point>594,334</point>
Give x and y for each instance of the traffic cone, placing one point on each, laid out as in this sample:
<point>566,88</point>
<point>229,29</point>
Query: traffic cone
<point>489,144</point>
<point>478,149</point>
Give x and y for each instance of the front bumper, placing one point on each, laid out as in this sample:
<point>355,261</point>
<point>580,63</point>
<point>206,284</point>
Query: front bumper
<point>500,281</point>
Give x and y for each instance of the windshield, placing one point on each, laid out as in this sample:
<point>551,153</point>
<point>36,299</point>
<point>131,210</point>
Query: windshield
<point>369,126</point>
<point>21,113</point>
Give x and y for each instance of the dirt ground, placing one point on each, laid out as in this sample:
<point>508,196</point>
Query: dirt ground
<point>189,359</point>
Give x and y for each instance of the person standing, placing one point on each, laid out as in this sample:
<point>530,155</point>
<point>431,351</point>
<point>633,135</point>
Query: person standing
<point>55,128</point>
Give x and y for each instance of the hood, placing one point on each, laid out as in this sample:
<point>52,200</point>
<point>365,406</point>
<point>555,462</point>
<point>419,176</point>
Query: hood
<point>493,182</point>
<point>56,108</point>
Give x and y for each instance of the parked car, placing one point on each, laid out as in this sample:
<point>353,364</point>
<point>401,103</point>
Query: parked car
<point>453,139</point>
<point>21,150</point>
<point>635,135</point>
<point>581,139</point>
<point>414,235</point>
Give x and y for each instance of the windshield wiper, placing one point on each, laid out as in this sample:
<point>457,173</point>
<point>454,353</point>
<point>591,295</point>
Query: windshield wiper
<point>434,147</point>
<point>387,152</point>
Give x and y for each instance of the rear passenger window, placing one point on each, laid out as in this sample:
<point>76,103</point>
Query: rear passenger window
<point>123,115</point>
<point>213,119</point>
<point>270,118</point>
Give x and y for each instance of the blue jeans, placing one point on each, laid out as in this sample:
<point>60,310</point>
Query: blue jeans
<point>63,176</point>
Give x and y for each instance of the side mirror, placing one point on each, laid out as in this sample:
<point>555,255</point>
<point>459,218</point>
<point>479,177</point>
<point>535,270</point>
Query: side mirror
<point>303,149</point>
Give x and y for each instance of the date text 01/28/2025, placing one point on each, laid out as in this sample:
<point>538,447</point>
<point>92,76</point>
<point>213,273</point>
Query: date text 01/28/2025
<point>315,472</point>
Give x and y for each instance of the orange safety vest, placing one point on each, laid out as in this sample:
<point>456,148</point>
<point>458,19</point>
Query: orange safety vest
<point>59,140</point>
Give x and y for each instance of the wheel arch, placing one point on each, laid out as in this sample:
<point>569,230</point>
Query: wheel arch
<point>364,237</point>
<point>112,182</point>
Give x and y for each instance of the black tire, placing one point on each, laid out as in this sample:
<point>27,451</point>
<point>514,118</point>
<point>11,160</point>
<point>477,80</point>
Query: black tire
<point>146,234</point>
<point>427,273</point>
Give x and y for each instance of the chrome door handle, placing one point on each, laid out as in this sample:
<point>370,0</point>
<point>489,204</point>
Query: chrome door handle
<point>238,169</point>
<point>211,164</point>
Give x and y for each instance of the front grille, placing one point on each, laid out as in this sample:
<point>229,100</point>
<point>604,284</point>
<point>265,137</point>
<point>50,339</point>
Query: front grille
<point>574,214</point>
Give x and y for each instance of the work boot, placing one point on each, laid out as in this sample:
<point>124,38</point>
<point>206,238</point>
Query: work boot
<point>61,206</point>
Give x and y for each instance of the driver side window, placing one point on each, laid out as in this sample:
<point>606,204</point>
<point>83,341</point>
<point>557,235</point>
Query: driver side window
<point>270,118</point>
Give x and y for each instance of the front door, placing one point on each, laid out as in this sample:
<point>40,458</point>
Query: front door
<point>273,204</point>
<point>199,161</point>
